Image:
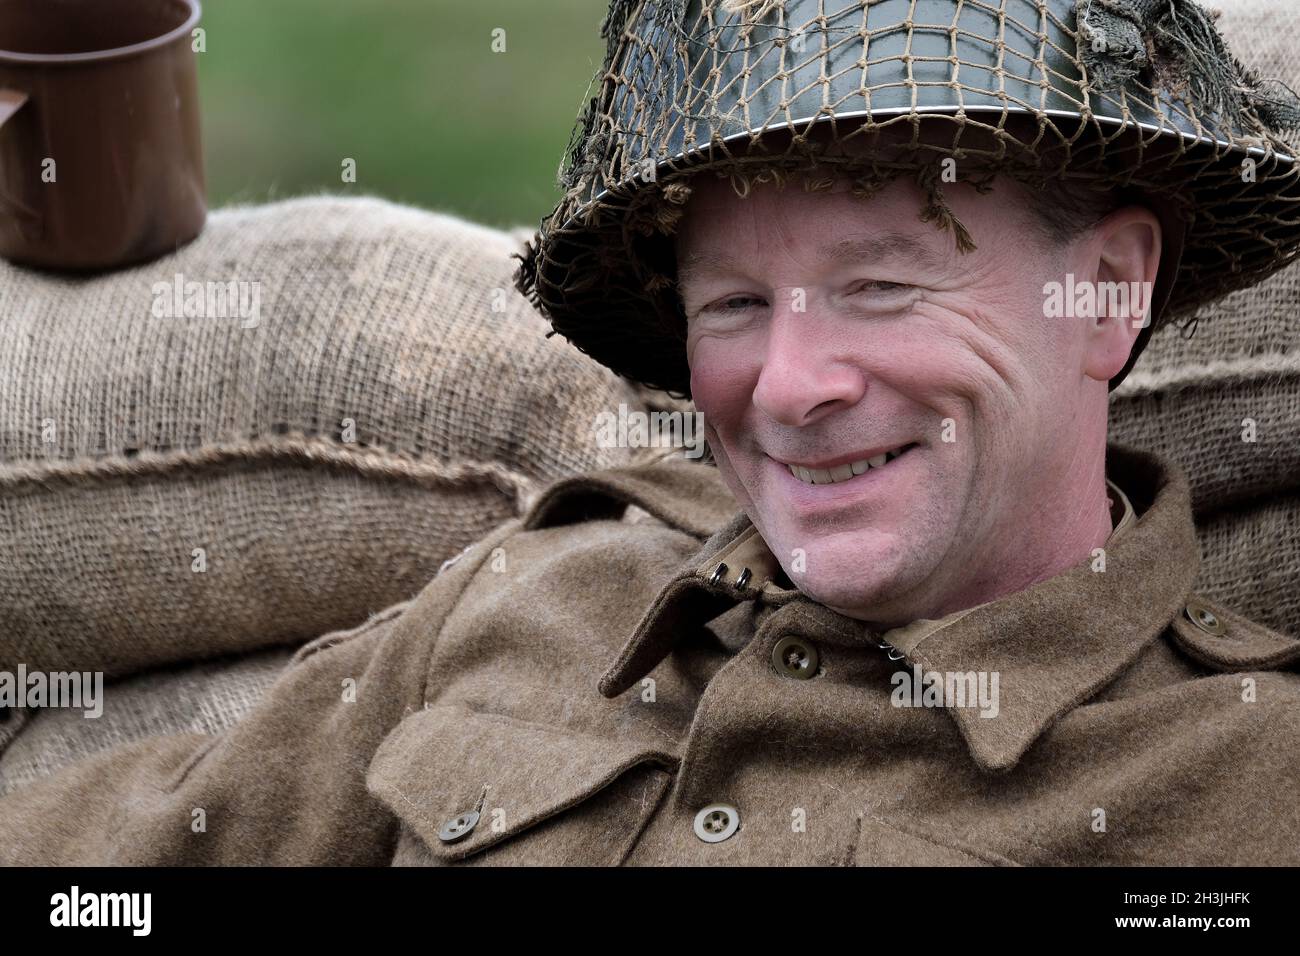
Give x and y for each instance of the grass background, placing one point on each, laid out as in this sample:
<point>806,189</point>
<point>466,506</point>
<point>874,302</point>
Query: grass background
<point>410,89</point>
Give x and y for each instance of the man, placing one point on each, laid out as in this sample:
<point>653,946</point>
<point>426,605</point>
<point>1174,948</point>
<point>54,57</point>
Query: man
<point>947,625</point>
<point>821,337</point>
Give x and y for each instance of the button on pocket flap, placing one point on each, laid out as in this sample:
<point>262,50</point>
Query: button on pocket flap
<point>466,780</point>
<point>1221,639</point>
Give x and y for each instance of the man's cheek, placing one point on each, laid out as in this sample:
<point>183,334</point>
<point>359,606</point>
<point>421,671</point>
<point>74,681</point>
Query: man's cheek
<point>721,390</point>
<point>953,389</point>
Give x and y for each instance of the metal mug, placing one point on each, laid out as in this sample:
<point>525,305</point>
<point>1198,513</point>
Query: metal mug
<point>101,161</point>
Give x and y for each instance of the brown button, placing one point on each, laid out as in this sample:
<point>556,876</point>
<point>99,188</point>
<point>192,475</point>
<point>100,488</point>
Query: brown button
<point>794,657</point>
<point>1205,619</point>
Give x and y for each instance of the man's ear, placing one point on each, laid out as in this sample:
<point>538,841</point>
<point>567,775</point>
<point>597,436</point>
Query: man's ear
<point>1125,247</point>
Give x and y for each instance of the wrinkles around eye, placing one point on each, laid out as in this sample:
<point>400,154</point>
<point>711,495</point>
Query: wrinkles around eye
<point>739,302</point>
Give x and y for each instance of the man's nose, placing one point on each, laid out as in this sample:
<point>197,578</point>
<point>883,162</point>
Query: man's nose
<point>805,375</point>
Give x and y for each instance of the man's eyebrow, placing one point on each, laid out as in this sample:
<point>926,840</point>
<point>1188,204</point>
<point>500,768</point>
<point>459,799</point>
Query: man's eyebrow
<point>862,249</point>
<point>891,245</point>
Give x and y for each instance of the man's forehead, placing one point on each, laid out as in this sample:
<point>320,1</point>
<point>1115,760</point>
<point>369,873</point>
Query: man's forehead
<point>858,248</point>
<point>818,200</point>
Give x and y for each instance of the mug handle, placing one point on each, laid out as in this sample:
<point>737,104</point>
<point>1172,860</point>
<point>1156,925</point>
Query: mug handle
<point>11,101</point>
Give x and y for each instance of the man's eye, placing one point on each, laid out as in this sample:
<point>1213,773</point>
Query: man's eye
<point>878,285</point>
<point>733,303</point>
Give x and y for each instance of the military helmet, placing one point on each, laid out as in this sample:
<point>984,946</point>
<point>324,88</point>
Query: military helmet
<point>1140,96</point>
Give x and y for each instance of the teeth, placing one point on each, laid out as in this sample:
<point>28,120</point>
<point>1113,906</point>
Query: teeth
<point>828,476</point>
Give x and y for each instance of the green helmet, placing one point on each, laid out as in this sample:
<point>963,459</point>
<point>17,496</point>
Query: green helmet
<point>1136,95</point>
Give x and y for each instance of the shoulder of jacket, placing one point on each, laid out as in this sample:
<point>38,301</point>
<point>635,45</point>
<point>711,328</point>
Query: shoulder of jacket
<point>1220,638</point>
<point>689,496</point>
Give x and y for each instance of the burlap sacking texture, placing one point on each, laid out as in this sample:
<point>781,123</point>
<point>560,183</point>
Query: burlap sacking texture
<point>183,486</point>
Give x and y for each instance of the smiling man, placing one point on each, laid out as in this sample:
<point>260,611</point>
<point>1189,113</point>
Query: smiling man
<point>900,416</point>
<point>919,612</point>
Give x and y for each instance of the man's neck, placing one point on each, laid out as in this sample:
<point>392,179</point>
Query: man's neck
<point>1050,540</point>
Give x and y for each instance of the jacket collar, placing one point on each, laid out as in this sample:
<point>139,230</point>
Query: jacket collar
<point>1053,645</point>
<point>733,565</point>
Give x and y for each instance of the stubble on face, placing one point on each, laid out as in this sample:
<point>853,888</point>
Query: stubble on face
<point>856,371</point>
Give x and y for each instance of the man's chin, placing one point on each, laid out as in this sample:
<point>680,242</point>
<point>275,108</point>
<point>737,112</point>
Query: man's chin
<point>853,598</point>
<point>840,583</point>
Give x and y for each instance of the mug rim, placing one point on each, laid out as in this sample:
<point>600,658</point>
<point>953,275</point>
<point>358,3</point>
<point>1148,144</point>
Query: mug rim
<point>113,53</point>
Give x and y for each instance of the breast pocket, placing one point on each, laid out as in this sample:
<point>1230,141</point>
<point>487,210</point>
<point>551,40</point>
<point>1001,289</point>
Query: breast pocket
<point>472,787</point>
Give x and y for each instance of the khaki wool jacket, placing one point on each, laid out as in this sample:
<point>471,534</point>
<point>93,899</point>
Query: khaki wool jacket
<point>584,688</point>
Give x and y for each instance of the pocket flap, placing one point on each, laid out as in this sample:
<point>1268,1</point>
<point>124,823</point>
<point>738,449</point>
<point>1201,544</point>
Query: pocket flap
<point>1221,639</point>
<point>445,761</point>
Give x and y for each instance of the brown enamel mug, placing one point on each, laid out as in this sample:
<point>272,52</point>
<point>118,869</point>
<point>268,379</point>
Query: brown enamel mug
<point>101,161</point>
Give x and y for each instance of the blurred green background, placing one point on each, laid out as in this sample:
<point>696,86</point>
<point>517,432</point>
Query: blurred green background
<point>410,89</point>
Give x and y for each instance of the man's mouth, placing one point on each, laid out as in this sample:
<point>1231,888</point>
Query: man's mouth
<point>847,470</point>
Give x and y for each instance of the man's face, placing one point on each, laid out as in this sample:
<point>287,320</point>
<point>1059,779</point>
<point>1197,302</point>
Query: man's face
<point>887,410</point>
